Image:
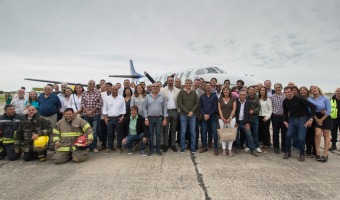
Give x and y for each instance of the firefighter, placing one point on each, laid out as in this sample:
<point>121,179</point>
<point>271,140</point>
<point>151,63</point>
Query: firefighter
<point>32,136</point>
<point>65,136</point>
<point>9,123</point>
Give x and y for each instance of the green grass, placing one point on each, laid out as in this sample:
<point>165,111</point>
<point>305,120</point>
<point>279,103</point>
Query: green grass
<point>2,97</point>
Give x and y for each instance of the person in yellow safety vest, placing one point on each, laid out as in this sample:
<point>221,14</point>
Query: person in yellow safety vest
<point>66,132</point>
<point>9,123</point>
<point>335,115</point>
<point>32,136</point>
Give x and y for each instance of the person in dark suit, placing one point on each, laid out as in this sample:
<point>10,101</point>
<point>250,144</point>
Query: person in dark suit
<point>134,130</point>
<point>242,121</point>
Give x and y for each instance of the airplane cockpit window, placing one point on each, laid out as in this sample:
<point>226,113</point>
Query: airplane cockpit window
<point>200,71</point>
<point>212,70</point>
<point>219,69</point>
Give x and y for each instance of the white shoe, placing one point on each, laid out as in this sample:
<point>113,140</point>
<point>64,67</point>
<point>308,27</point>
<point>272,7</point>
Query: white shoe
<point>258,150</point>
<point>95,150</point>
<point>246,149</point>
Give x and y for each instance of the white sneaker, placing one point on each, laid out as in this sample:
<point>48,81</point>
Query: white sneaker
<point>258,150</point>
<point>246,149</point>
<point>95,150</point>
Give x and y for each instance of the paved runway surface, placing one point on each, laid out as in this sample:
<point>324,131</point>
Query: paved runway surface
<point>173,176</point>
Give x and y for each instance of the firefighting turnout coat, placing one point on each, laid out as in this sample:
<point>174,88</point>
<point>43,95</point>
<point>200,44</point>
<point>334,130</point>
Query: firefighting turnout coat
<point>67,132</point>
<point>8,128</point>
<point>28,127</point>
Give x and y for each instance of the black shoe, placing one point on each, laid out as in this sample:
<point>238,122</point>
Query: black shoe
<point>254,153</point>
<point>210,145</point>
<point>165,149</point>
<point>150,153</point>
<point>333,147</point>
<point>302,158</point>
<point>174,148</point>
<point>287,155</point>
<point>276,150</point>
<point>324,159</point>
<point>159,153</point>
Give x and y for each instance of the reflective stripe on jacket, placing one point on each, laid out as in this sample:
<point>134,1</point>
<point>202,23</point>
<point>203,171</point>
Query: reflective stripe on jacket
<point>67,132</point>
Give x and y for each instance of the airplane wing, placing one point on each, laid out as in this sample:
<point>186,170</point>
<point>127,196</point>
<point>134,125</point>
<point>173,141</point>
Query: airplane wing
<point>126,76</point>
<point>57,82</point>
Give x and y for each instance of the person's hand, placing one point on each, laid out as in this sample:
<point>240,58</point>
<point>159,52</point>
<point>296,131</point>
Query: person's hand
<point>17,151</point>
<point>308,123</point>
<point>106,120</point>
<point>190,114</point>
<point>206,117</point>
<point>286,124</point>
<point>145,140</point>
<point>164,122</point>
<point>124,141</point>
<point>35,136</point>
<point>57,145</point>
<point>146,122</point>
<point>251,111</point>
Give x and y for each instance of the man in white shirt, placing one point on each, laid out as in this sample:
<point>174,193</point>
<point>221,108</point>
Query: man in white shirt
<point>105,92</point>
<point>114,111</point>
<point>170,93</point>
<point>19,102</point>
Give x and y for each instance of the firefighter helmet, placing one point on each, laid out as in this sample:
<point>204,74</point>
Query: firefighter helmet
<point>80,141</point>
<point>40,144</point>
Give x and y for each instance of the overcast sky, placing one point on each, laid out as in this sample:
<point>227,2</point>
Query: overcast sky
<point>78,40</point>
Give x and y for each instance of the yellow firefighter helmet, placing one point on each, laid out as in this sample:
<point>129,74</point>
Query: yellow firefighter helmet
<point>41,143</point>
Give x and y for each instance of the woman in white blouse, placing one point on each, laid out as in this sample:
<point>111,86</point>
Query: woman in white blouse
<point>75,100</point>
<point>264,118</point>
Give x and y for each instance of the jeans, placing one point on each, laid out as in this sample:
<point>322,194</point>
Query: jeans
<point>192,125</point>
<point>248,136</point>
<point>103,133</point>
<point>135,138</point>
<point>93,121</point>
<point>210,124</point>
<point>254,127</point>
<point>112,127</point>
<point>296,126</point>
<point>155,126</point>
<point>277,122</point>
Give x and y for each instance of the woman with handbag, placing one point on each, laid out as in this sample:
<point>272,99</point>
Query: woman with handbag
<point>75,100</point>
<point>226,110</point>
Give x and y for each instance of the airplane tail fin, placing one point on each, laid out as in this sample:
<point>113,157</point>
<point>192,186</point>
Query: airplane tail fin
<point>133,74</point>
<point>132,69</point>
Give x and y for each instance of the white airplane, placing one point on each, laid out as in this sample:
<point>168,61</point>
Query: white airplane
<point>207,73</point>
<point>202,72</point>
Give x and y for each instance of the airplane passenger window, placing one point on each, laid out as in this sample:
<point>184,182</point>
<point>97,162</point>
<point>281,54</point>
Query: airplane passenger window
<point>200,71</point>
<point>181,75</point>
<point>188,74</point>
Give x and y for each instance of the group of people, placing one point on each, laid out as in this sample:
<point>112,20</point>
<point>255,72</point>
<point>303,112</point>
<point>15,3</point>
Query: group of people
<point>71,121</point>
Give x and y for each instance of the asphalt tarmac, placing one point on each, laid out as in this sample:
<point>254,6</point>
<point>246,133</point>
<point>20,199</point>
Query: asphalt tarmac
<point>173,176</point>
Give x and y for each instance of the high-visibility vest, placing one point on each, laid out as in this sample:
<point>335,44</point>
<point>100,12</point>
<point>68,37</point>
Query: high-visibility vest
<point>334,109</point>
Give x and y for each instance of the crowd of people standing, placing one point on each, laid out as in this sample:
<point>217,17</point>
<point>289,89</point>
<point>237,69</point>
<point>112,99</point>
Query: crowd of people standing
<point>140,115</point>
